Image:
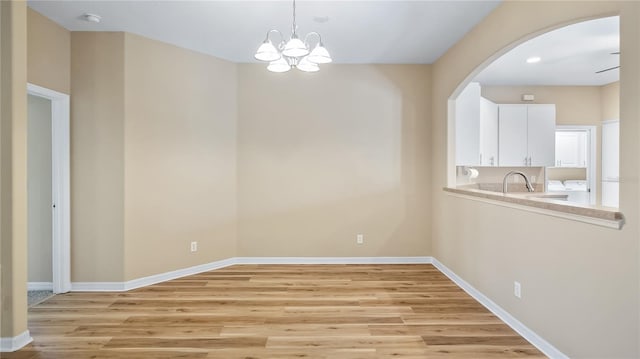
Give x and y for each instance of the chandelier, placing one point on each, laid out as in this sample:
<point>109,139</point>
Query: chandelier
<point>293,53</point>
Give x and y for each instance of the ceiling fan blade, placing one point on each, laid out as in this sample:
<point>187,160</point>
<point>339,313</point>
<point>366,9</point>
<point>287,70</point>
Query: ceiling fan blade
<point>609,69</point>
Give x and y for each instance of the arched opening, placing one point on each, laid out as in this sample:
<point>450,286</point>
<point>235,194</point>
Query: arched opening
<point>546,106</point>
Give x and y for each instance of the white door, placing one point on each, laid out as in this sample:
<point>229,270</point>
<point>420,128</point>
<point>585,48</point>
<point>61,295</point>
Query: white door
<point>512,135</point>
<point>541,141</point>
<point>40,197</point>
<point>488,133</point>
<point>60,177</point>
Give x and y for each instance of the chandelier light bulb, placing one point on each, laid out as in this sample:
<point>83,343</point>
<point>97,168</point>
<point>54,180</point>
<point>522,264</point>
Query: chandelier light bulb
<point>295,48</point>
<point>319,55</point>
<point>267,52</point>
<point>307,66</point>
<point>280,65</point>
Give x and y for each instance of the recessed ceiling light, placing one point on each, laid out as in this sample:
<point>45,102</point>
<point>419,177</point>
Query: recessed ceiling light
<point>92,18</point>
<point>534,59</point>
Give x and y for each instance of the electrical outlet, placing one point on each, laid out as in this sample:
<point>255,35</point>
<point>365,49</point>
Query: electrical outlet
<point>533,179</point>
<point>360,239</point>
<point>517,289</point>
<point>194,246</point>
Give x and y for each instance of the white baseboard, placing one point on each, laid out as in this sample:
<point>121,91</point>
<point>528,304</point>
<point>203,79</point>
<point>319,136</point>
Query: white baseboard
<point>163,277</point>
<point>97,286</point>
<point>40,286</point>
<point>145,281</point>
<point>537,341</point>
<point>15,343</point>
<point>332,260</point>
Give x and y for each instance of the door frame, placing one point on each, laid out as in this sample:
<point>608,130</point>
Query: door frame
<point>591,161</point>
<point>60,181</point>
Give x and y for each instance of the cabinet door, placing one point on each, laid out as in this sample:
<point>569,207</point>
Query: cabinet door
<point>566,145</point>
<point>541,139</point>
<point>571,148</point>
<point>512,135</point>
<point>488,133</point>
<point>468,126</point>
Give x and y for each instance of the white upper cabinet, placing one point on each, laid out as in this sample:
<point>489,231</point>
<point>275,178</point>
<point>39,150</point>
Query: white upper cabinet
<point>541,140</point>
<point>526,135</point>
<point>488,133</point>
<point>571,148</point>
<point>512,134</point>
<point>476,129</point>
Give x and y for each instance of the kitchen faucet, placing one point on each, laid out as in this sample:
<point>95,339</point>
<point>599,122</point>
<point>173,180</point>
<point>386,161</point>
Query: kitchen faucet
<point>526,181</point>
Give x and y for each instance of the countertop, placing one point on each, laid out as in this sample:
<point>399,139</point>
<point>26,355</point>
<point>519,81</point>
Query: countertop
<point>547,201</point>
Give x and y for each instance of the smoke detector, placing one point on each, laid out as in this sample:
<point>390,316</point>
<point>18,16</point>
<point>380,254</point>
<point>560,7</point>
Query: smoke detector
<point>92,18</point>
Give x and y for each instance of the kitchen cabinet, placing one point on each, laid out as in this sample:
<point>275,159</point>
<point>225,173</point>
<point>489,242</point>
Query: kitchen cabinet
<point>476,129</point>
<point>488,133</point>
<point>571,148</point>
<point>526,135</point>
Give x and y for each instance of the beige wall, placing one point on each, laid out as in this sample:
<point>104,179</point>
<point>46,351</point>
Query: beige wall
<point>153,157</point>
<point>563,174</point>
<point>49,53</point>
<point>580,282</point>
<point>39,189</point>
<point>13,168</point>
<point>97,156</point>
<point>180,158</point>
<point>610,99</point>
<point>325,156</point>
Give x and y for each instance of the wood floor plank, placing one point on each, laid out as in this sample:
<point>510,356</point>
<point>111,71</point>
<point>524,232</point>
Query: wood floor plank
<point>276,311</point>
<point>347,342</point>
<point>198,344</point>
<point>300,330</point>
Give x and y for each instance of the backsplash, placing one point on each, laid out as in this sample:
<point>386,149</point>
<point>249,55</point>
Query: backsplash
<point>490,178</point>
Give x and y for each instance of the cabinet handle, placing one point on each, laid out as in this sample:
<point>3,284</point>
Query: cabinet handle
<point>481,159</point>
<point>491,160</point>
<point>525,161</point>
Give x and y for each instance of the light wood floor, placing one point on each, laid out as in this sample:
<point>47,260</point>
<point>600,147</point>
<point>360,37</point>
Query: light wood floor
<point>277,311</point>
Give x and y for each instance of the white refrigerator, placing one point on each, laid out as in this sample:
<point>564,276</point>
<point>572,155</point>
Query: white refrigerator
<point>610,163</point>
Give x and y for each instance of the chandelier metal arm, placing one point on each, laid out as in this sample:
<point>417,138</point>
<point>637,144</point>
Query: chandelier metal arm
<point>267,38</point>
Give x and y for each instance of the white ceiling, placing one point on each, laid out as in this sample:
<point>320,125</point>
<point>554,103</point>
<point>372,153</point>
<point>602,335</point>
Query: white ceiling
<point>570,56</point>
<point>355,32</point>
<point>414,32</point>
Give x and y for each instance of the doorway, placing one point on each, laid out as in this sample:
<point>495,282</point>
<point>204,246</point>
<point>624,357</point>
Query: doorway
<point>575,164</point>
<point>50,214</point>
